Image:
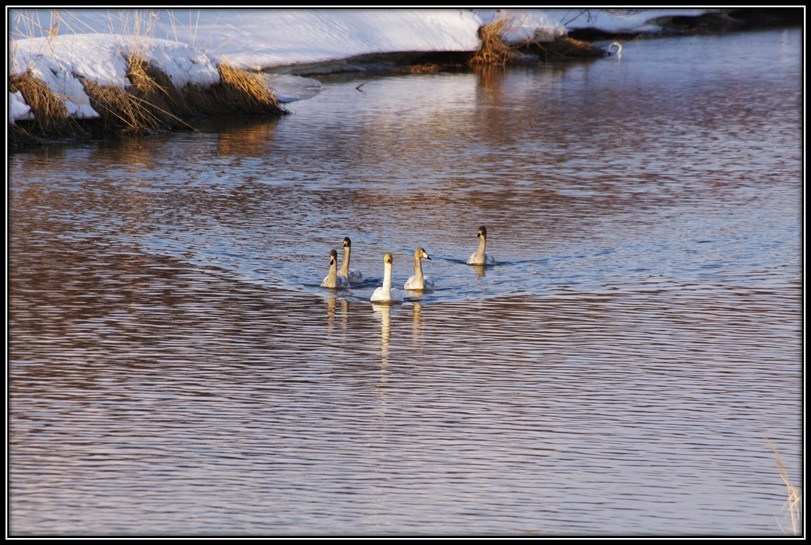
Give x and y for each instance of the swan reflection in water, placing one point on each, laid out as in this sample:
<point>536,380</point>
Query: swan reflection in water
<point>332,310</point>
<point>417,325</point>
<point>480,270</point>
<point>383,311</point>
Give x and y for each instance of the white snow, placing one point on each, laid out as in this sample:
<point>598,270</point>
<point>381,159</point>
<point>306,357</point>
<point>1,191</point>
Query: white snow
<point>60,46</point>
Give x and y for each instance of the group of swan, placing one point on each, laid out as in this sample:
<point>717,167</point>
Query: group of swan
<point>343,278</point>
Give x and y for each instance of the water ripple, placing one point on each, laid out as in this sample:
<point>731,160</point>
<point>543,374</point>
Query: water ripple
<point>176,369</point>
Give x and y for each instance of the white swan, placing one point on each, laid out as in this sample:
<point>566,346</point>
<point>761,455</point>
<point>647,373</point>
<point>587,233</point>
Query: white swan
<point>618,46</point>
<point>480,257</point>
<point>385,293</point>
<point>333,279</point>
<point>354,277</point>
<point>418,282</point>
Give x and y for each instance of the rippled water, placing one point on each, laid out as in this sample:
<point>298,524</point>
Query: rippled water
<point>176,369</point>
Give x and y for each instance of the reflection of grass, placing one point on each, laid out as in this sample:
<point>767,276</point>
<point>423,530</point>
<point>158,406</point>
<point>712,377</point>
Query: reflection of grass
<point>794,503</point>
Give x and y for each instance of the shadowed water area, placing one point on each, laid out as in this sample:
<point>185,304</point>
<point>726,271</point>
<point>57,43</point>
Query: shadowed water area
<point>176,369</point>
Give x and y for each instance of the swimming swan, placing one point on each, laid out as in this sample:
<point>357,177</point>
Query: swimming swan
<point>480,257</point>
<point>355,277</point>
<point>333,279</point>
<point>385,293</point>
<point>419,282</point>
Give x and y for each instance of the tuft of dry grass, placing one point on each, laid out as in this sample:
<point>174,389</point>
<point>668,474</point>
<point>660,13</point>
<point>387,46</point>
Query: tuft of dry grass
<point>121,111</point>
<point>153,86</point>
<point>794,504</point>
<point>50,115</point>
<point>244,92</point>
<point>493,50</point>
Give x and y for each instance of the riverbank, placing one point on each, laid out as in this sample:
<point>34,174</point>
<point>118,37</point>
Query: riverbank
<point>55,96</point>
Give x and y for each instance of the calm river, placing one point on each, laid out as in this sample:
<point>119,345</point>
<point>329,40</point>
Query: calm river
<point>176,369</point>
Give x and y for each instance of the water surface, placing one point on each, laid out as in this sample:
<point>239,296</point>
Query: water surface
<point>176,369</point>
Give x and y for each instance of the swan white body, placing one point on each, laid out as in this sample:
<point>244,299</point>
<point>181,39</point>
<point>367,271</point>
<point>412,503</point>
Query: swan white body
<point>418,282</point>
<point>480,256</point>
<point>333,279</point>
<point>354,277</point>
<point>385,293</point>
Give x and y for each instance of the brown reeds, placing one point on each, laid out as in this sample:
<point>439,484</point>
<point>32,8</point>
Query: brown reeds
<point>493,50</point>
<point>496,51</point>
<point>145,106</point>
<point>120,110</point>
<point>50,117</point>
<point>150,103</point>
<point>794,504</point>
<point>154,86</point>
<point>244,92</point>
<point>561,48</point>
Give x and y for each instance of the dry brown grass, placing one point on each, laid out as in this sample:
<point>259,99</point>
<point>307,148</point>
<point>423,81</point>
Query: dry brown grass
<point>153,86</point>
<point>564,48</point>
<point>793,507</point>
<point>240,91</point>
<point>120,110</point>
<point>50,115</point>
<point>427,68</point>
<point>493,50</point>
<point>151,103</point>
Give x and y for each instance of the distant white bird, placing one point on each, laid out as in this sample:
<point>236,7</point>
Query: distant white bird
<point>333,279</point>
<point>480,257</point>
<point>354,277</point>
<point>385,293</point>
<point>418,282</point>
<point>618,46</point>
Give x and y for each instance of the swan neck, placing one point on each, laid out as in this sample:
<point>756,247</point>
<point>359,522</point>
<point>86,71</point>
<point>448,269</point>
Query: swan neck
<point>345,264</point>
<point>481,250</point>
<point>332,277</point>
<point>387,277</point>
<point>418,268</point>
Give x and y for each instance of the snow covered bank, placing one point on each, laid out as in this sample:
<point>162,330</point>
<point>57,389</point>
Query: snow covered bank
<point>64,47</point>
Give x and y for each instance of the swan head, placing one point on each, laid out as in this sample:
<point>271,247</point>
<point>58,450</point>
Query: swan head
<point>421,254</point>
<point>347,242</point>
<point>387,259</point>
<point>333,258</point>
<point>482,232</point>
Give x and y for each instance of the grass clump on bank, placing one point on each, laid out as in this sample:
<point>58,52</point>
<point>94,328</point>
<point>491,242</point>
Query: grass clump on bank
<point>151,103</point>
<point>242,92</point>
<point>494,50</point>
<point>50,115</point>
